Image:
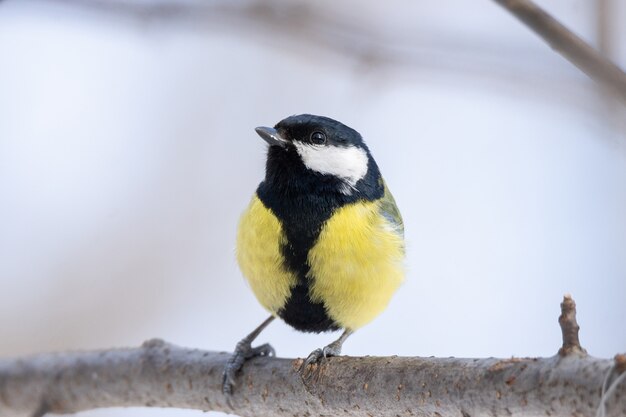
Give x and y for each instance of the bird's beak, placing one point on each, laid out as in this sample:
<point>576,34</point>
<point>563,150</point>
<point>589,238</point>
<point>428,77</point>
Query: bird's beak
<point>271,136</point>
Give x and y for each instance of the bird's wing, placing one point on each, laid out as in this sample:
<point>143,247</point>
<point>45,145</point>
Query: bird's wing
<point>389,210</point>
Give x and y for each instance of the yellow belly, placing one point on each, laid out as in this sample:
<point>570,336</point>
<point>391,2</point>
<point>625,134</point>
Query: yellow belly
<point>356,264</point>
<point>259,239</point>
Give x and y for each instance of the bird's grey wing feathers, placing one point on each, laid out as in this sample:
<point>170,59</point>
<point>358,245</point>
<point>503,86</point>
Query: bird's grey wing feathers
<point>389,210</point>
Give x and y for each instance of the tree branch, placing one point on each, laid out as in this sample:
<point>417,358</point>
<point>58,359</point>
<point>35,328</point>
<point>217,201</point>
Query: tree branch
<point>162,375</point>
<point>568,44</point>
<point>159,374</point>
<point>569,328</point>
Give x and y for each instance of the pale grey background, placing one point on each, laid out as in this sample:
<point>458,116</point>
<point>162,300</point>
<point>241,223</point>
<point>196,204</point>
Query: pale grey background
<point>127,153</point>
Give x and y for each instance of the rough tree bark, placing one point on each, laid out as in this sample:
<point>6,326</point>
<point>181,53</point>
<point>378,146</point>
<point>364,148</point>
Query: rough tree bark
<point>159,374</point>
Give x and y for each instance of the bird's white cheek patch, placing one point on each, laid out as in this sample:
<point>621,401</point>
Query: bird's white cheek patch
<point>347,163</point>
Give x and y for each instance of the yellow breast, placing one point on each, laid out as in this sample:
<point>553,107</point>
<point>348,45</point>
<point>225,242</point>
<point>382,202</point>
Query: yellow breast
<point>259,240</point>
<point>356,264</point>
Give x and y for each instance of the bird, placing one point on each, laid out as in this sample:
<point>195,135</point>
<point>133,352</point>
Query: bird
<point>321,243</point>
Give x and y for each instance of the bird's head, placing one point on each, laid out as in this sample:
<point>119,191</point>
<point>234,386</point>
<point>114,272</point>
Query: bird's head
<point>323,146</point>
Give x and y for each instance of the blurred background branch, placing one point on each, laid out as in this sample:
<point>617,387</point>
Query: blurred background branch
<point>376,52</point>
<point>571,46</point>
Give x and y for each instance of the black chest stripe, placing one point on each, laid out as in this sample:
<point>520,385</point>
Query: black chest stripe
<point>303,200</point>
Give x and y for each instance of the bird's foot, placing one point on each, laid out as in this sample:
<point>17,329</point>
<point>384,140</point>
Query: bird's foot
<point>243,352</point>
<point>334,349</point>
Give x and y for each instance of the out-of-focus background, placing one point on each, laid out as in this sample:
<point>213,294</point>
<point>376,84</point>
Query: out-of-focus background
<point>127,153</point>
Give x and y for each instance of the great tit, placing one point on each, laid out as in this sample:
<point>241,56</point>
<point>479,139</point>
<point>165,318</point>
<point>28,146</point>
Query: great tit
<point>322,241</point>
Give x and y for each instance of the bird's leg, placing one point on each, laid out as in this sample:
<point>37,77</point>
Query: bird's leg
<point>243,352</point>
<point>333,349</point>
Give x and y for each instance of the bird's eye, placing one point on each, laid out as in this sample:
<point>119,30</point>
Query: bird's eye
<point>318,138</point>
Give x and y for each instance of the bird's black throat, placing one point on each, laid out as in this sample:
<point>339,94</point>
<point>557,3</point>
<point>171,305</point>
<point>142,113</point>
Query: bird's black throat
<point>303,200</point>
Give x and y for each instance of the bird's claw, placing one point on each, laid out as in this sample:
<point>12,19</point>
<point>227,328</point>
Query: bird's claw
<point>234,364</point>
<point>243,352</point>
<point>313,357</point>
<point>318,354</point>
<point>263,350</point>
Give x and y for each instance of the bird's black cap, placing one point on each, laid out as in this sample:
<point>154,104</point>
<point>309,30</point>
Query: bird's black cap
<point>301,127</point>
